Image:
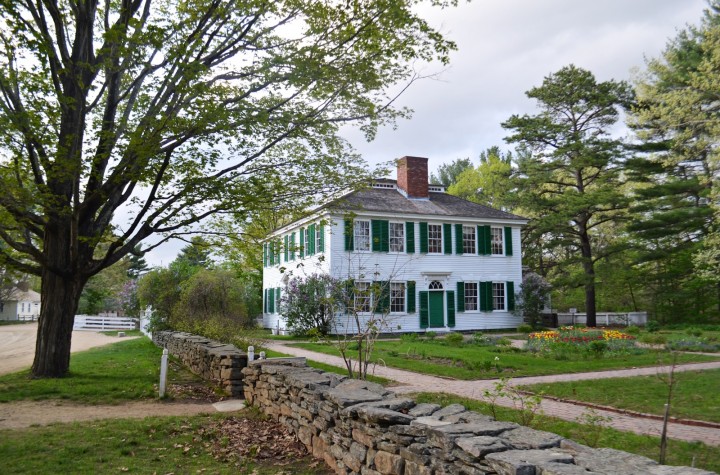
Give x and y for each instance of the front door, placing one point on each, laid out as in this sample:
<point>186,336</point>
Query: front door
<point>437,315</point>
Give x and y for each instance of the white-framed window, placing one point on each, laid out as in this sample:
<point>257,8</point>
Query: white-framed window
<point>361,231</point>
<point>471,296</point>
<point>397,297</point>
<point>434,238</point>
<point>498,292</point>
<point>469,239</point>
<point>496,241</point>
<point>363,296</point>
<point>318,237</point>
<point>397,237</point>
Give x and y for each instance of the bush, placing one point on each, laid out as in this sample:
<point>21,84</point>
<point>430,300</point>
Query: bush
<point>653,339</point>
<point>652,326</point>
<point>408,337</point>
<point>503,341</point>
<point>694,331</point>
<point>525,328</point>
<point>694,344</point>
<point>633,330</point>
<point>454,339</point>
<point>481,339</point>
<point>430,335</point>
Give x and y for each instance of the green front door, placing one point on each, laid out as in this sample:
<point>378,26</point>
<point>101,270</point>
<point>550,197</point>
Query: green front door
<point>437,314</point>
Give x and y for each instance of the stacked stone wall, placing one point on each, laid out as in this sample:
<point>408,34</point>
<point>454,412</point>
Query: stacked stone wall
<point>359,427</point>
<point>211,360</point>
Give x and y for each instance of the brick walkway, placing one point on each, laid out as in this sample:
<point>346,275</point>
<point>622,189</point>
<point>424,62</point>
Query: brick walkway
<point>414,382</point>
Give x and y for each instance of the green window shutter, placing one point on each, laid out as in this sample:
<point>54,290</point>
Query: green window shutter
<point>292,246</point>
<point>447,238</point>
<point>383,305</point>
<point>350,292</point>
<point>287,250</point>
<point>486,303</point>
<point>483,238</point>
<point>271,301</point>
<point>410,237</point>
<point>349,244</point>
<point>424,309</point>
<point>311,238</point>
<point>277,299</point>
<point>265,301</point>
<point>410,302</point>
<point>321,230</point>
<point>458,239</point>
<point>508,241</point>
<point>423,238</point>
<point>450,308</point>
<point>278,250</point>
<point>385,236</point>
<point>510,291</point>
<point>271,254</point>
<point>375,230</point>
<point>302,243</point>
<point>265,255</point>
<point>461,296</point>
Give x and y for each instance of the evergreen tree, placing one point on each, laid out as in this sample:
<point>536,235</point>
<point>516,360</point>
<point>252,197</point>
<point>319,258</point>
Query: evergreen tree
<point>570,183</point>
<point>448,173</point>
<point>137,264</point>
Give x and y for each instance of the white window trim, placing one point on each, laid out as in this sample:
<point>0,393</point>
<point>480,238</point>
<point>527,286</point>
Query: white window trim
<point>477,296</point>
<point>502,240</point>
<point>404,237</point>
<point>505,296</point>
<point>442,240</point>
<point>405,297</point>
<point>369,296</point>
<point>318,231</point>
<point>369,240</point>
<point>475,233</point>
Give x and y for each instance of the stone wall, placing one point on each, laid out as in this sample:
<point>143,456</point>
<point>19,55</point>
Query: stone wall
<point>211,360</point>
<point>360,427</point>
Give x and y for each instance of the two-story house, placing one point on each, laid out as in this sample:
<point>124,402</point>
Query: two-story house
<point>447,263</point>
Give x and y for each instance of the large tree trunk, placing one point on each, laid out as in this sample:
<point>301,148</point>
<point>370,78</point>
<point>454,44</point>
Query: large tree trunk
<point>589,269</point>
<point>60,299</point>
<point>60,295</point>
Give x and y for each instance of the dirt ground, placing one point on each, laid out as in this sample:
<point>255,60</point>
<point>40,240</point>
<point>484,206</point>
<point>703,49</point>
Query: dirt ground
<point>17,345</point>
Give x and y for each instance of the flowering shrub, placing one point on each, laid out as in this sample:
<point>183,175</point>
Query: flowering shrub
<point>579,340</point>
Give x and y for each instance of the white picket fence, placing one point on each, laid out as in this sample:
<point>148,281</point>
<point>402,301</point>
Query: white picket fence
<point>604,319</point>
<point>93,322</point>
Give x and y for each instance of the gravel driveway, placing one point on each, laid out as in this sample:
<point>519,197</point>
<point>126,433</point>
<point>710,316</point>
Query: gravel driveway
<point>17,345</point>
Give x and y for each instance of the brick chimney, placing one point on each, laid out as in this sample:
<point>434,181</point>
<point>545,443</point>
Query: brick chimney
<point>412,176</point>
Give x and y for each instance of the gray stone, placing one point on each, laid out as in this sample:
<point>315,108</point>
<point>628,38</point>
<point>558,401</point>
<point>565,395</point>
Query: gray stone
<point>412,468</point>
<point>382,416</point>
<point>348,397</point>
<point>429,422</point>
<point>668,470</point>
<point>424,409</point>
<point>449,410</point>
<point>482,445</point>
<point>524,462</point>
<point>357,384</point>
<point>394,404</point>
<point>555,468</point>
<point>614,461</point>
<point>525,438</point>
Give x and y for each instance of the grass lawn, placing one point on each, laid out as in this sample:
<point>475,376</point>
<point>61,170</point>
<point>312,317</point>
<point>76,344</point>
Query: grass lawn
<point>488,362</point>
<point>695,396</point>
<point>151,445</point>
<point>110,374</point>
<point>679,452</point>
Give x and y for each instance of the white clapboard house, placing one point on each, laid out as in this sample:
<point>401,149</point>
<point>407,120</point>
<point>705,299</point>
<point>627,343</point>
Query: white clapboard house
<point>448,264</point>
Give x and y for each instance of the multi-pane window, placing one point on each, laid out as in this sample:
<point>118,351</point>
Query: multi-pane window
<point>362,296</point>
<point>471,296</point>
<point>361,231</point>
<point>397,237</point>
<point>496,240</point>
<point>469,239</point>
<point>498,292</point>
<point>397,297</point>
<point>434,238</point>
<point>318,238</point>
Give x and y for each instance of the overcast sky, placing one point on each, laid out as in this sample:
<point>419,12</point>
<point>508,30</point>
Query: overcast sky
<point>506,47</point>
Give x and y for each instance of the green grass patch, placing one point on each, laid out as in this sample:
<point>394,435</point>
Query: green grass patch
<point>695,396</point>
<point>110,374</point>
<point>151,445</point>
<point>127,332</point>
<point>678,453</point>
<point>327,367</point>
<point>471,361</point>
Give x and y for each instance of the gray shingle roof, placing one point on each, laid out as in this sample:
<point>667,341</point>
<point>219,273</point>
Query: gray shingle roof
<point>388,200</point>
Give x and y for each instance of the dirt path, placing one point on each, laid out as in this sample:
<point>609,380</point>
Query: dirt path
<point>17,415</point>
<point>17,345</point>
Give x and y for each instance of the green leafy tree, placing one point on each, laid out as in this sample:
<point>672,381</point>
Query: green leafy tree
<point>489,183</point>
<point>532,298</point>
<point>448,173</point>
<point>309,304</point>
<point>676,172</point>
<point>570,183</point>
<point>170,111</point>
